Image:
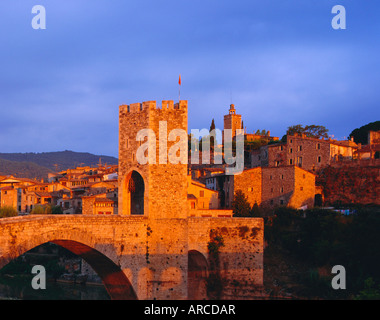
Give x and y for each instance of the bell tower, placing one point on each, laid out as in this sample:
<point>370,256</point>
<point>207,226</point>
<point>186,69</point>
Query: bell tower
<point>232,121</point>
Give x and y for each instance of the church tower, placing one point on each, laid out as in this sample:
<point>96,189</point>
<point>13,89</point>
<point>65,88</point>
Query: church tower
<point>232,121</point>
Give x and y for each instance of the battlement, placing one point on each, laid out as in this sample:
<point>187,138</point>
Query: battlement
<point>151,105</point>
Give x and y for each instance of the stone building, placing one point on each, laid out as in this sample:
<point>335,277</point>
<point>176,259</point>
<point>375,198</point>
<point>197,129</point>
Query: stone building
<point>372,149</point>
<point>205,198</point>
<point>270,186</point>
<point>305,152</point>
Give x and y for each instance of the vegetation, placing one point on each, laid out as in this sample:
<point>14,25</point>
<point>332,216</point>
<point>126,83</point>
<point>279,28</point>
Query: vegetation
<point>214,281</point>
<point>311,131</point>
<point>360,135</point>
<point>323,238</point>
<point>38,165</point>
<point>46,209</point>
<point>7,211</point>
<point>242,208</point>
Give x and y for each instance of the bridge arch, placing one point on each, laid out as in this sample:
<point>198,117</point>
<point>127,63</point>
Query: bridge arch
<point>197,275</point>
<point>84,244</point>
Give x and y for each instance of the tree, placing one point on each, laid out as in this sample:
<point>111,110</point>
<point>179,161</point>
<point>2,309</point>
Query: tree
<point>212,126</point>
<point>360,135</point>
<point>240,205</point>
<point>318,132</point>
<point>255,211</point>
<point>311,131</point>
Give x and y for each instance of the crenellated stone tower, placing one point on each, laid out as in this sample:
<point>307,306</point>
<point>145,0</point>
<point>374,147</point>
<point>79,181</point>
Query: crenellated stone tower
<point>156,189</point>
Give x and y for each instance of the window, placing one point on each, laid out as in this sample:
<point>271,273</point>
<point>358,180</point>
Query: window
<point>290,161</point>
<point>304,176</point>
<point>270,177</point>
<point>282,190</point>
<point>299,148</point>
<point>271,190</point>
<point>301,188</point>
<point>319,159</point>
<point>291,150</point>
<point>299,161</point>
<point>281,202</point>
<point>318,146</point>
<point>282,177</point>
<point>201,193</point>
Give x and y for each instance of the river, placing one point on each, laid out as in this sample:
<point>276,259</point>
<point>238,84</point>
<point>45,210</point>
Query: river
<point>21,289</point>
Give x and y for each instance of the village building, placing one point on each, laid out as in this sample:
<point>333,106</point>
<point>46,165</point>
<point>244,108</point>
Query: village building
<point>305,152</point>
<point>269,187</point>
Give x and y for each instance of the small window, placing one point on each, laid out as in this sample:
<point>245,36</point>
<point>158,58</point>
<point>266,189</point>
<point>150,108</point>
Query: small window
<point>319,159</point>
<point>318,146</point>
<point>301,188</point>
<point>271,190</point>
<point>201,193</point>
<point>281,202</point>
<point>290,161</point>
<point>282,190</point>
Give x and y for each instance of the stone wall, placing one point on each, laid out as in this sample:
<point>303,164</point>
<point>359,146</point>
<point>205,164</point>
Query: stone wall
<point>240,258</point>
<point>351,183</point>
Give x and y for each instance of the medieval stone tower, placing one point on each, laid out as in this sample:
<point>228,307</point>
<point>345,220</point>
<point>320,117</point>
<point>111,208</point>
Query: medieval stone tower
<point>232,120</point>
<point>158,188</point>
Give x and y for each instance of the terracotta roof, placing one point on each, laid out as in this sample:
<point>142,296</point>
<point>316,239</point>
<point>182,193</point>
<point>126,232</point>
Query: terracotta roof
<point>104,200</point>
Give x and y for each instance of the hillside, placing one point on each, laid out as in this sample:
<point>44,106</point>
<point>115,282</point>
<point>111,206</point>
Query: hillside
<point>38,165</point>
<point>18,169</point>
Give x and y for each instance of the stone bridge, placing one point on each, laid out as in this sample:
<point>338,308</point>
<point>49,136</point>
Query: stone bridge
<point>138,257</point>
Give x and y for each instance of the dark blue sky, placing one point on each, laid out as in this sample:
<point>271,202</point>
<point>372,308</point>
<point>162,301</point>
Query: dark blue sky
<point>279,61</point>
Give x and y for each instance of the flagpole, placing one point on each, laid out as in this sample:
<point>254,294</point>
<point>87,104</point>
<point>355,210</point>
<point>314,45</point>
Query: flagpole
<point>179,91</point>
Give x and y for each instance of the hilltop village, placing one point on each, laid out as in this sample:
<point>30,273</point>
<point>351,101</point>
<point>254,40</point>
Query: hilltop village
<point>297,171</point>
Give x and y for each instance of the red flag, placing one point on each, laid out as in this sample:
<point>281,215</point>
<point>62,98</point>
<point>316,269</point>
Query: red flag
<point>179,81</point>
